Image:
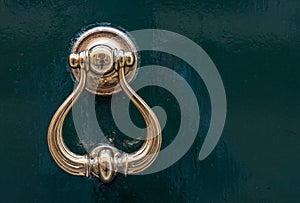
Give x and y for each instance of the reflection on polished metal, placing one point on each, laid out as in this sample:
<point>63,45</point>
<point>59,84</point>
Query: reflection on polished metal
<point>103,60</point>
<point>101,78</point>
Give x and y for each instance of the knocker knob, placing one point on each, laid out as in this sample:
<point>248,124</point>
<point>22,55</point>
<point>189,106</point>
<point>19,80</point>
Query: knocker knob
<point>74,60</point>
<point>103,165</point>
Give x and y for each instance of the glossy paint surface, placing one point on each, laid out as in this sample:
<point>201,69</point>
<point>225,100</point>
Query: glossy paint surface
<point>255,45</point>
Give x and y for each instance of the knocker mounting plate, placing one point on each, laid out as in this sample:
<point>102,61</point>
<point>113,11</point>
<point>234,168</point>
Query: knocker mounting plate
<point>102,80</point>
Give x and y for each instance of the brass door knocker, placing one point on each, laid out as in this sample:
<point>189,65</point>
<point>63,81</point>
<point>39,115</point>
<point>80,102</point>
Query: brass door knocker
<point>103,61</point>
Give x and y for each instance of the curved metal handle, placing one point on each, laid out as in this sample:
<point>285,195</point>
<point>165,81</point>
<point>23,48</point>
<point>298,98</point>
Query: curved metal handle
<point>67,160</point>
<point>144,157</point>
<point>105,160</point>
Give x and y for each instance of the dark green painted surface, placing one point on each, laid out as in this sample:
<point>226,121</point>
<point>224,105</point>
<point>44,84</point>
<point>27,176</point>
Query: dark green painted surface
<point>255,45</point>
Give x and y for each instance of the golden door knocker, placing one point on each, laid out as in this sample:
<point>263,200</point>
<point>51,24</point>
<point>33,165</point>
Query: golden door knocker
<point>104,60</point>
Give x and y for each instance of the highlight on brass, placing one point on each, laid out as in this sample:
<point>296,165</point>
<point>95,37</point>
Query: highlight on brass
<point>103,61</point>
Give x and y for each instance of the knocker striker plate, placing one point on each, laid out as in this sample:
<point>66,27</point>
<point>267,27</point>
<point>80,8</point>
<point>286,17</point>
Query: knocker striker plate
<point>105,84</point>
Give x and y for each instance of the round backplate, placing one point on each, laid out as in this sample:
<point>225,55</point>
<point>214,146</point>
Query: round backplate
<point>105,84</point>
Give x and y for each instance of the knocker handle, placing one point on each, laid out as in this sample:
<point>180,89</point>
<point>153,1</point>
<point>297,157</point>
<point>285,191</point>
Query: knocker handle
<point>143,158</point>
<point>112,64</point>
<point>67,160</point>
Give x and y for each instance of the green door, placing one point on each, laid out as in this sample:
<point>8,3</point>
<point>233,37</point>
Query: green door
<point>255,46</point>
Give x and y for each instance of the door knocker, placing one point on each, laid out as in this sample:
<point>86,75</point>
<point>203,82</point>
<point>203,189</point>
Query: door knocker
<point>104,60</point>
